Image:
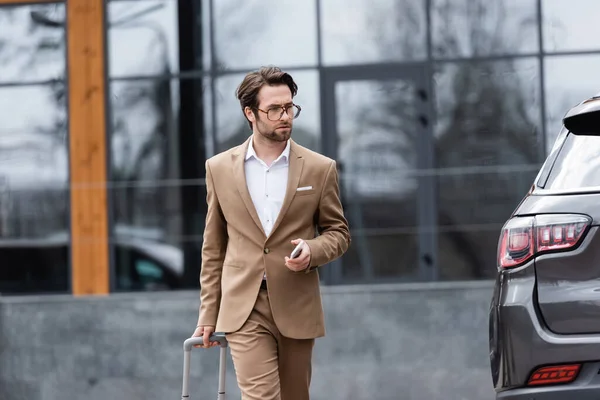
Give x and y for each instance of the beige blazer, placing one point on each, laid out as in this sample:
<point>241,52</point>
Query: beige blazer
<point>236,252</point>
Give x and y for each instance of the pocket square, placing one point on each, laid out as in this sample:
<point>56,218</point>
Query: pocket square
<point>300,189</point>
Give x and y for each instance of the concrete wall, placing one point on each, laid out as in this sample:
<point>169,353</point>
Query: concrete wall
<point>383,342</point>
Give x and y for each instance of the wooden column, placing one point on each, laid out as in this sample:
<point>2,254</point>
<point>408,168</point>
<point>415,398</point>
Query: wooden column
<point>87,147</point>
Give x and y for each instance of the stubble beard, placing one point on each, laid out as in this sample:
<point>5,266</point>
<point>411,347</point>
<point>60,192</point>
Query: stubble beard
<point>273,135</point>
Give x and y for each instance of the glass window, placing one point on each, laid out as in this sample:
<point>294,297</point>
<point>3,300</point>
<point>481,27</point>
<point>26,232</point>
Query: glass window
<point>232,127</point>
<point>34,193</point>
<point>577,165</point>
<point>473,204</point>
<point>363,31</point>
<point>32,43</point>
<point>144,266</point>
<point>143,39</point>
<point>208,100</point>
<point>148,270</point>
<point>156,139</point>
<point>34,266</point>
<point>570,25</point>
<point>143,147</point>
<point>569,81</point>
<point>488,154</point>
<point>378,158</point>
<point>463,28</point>
<point>484,107</point>
<point>250,34</point>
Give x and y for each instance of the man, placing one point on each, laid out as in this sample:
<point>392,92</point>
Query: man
<point>264,198</point>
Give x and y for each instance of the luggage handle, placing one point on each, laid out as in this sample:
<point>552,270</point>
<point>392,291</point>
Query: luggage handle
<point>187,350</point>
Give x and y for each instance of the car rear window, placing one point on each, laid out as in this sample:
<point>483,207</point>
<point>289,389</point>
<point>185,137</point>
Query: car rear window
<point>577,164</point>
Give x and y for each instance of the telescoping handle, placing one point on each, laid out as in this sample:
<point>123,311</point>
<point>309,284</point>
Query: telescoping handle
<point>187,350</point>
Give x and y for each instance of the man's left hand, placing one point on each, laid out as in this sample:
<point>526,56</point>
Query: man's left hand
<point>302,261</point>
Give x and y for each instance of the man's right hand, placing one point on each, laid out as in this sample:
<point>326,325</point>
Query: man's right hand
<point>205,332</point>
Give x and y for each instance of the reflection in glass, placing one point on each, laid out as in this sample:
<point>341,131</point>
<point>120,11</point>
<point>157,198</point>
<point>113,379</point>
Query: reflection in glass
<point>381,31</point>
<point>232,127</point>
<point>488,151</point>
<point>33,160</point>
<point>206,96</point>
<point>32,43</point>
<point>577,165</point>
<point>152,228</point>
<point>144,265</point>
<point>377,157</point>
<point>143,37</point>
<point>143,141</point>
<point>485,108</point>
<point>34,193</point>
<point>472,208</point>
<point>569,81</point>
<point>462,28</point>
<point>249,34</point>
<point>570,26</point>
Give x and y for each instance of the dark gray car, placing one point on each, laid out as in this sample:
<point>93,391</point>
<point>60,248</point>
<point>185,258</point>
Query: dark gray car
<point>544,322</point>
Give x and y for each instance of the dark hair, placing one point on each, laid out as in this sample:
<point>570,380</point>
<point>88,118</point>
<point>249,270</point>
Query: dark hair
<point>247,91</point>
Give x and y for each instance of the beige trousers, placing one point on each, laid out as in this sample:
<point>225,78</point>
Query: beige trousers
<point>268,365</point>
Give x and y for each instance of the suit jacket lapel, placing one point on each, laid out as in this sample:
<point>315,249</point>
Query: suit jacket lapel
<point>239,175</point>
<point>296,163</point>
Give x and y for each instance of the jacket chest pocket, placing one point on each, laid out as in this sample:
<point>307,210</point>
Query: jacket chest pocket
<point>308,192</point>
<point>305,204</point>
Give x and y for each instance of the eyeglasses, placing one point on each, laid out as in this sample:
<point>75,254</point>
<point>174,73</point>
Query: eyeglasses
<point>275,113</point>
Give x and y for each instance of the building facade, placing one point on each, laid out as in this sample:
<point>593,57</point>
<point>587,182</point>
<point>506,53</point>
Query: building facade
<point>439,113</point>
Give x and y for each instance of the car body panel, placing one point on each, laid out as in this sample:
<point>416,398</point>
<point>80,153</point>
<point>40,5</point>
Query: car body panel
<point>586,387</point>
<point>547,311</point>
<point>568,283</point>
<point>585,203</point>
<point>568,288</point>
<point>520,341</point>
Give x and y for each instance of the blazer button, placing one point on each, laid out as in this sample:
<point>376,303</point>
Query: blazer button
<point>267,250</point>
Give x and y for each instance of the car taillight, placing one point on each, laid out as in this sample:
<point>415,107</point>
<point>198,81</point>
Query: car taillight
<point>554,374</point>
<point>522,238</point>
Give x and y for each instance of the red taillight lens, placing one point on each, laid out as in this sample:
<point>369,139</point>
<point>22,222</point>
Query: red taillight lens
<point>524,237</point>
<point>555,232</point>
<point>516,242</point>
<point>554,375</point>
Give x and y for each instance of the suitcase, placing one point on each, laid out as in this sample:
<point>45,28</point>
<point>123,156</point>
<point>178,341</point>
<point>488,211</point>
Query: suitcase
<point>187,350</point>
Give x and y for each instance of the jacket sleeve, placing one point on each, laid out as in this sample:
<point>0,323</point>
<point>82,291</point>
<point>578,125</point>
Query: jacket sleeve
<point>334,234</point>
<point>214,246</point>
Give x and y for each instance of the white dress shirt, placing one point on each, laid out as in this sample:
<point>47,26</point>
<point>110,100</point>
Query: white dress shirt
<point>267,184</point>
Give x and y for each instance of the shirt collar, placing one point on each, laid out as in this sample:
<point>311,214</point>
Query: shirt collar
<point>285,154</point>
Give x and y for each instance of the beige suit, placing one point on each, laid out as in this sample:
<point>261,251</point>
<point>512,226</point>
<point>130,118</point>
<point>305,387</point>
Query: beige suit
<point>236,252</point>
